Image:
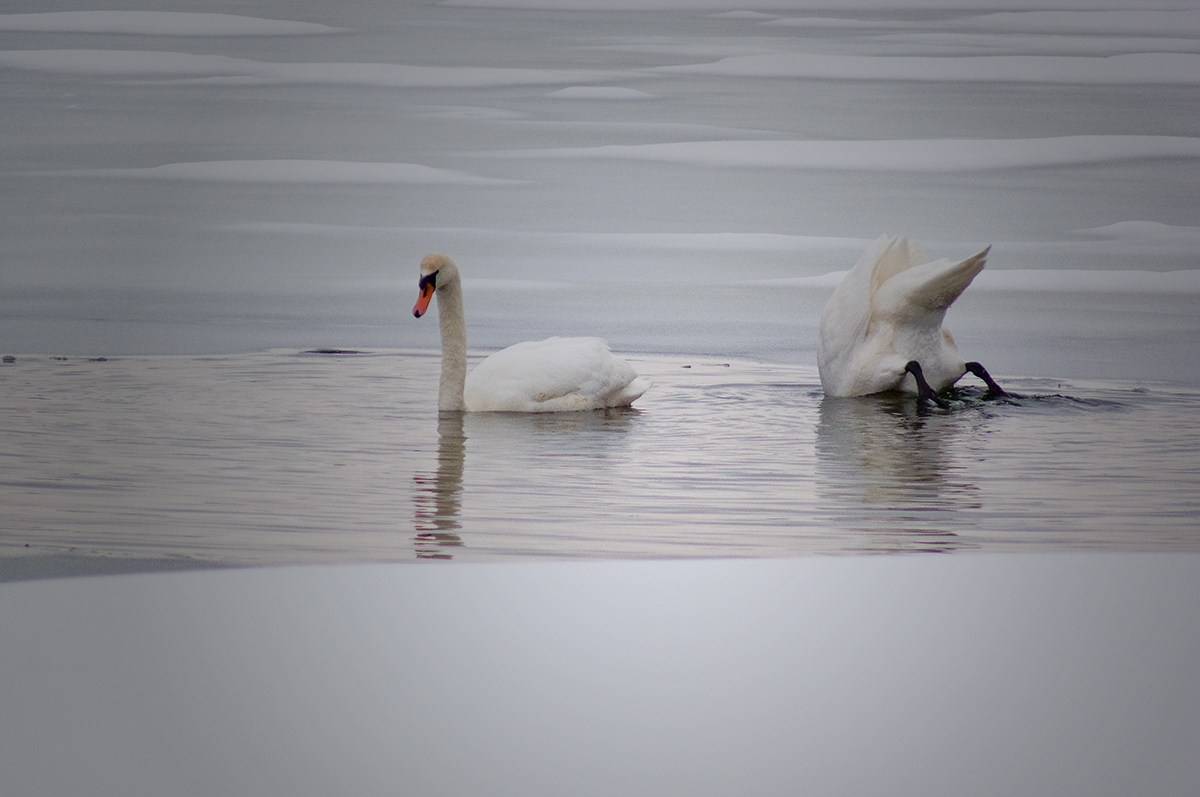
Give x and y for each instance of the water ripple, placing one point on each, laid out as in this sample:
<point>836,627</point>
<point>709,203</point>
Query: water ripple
<point>288,456</point>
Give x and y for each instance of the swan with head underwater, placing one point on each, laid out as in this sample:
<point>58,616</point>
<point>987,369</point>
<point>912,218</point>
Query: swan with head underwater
<point>882,327</point>
<point>552,375</point>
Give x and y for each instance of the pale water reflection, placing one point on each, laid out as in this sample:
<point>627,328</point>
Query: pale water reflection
<point>438,497</point>
<point>1108,467</point>
<point>289,456</point>
<point>891,469</point>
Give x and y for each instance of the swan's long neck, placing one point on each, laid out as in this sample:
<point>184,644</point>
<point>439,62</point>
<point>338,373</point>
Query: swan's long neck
<point>454,347</point>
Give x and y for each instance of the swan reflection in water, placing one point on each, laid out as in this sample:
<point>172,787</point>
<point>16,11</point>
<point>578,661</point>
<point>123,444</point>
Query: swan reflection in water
<point>548,460</point>
<point>439,495</point>
<point>892,470</point>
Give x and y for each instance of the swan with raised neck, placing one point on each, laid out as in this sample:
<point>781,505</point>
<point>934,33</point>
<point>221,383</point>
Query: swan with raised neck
<point>553,375</point>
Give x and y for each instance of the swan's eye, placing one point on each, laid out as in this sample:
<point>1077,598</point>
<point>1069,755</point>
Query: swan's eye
<point>427,281</point>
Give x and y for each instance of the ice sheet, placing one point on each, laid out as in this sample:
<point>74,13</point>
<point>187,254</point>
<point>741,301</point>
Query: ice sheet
<point>932,155</point>
<point>159,23</point>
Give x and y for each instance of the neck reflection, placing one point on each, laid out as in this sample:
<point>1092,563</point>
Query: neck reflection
<point>438,499</point>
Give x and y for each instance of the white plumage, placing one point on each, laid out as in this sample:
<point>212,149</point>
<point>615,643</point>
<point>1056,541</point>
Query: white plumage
<point>552,375</point>
<point>886,314</point>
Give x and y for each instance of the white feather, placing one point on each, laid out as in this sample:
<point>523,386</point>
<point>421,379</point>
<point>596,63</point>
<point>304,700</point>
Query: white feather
<point>888,311</point>
<point>552,375</point>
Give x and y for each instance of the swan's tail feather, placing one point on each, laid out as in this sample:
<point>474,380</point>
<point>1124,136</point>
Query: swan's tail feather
<point>955,280</point>
<point>630,393</point>
<point>933,286</point>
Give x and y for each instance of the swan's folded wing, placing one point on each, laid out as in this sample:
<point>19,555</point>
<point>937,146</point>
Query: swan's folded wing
<point>553,375</point>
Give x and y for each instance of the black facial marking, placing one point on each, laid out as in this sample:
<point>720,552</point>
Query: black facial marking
<point>427,279</point>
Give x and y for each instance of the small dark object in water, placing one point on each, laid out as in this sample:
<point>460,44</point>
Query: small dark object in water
<point>8,358</point>
<point>332,351</point>
<point>97,359</point>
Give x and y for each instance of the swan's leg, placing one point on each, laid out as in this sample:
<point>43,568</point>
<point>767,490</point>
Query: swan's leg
<point>994,390</point>
<point>924,391</point>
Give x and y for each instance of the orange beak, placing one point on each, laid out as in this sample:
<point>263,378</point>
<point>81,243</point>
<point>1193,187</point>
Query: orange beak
<point>423,299</point>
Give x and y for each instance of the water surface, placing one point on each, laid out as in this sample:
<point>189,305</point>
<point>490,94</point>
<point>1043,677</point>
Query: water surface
<point>198,199</point>
<point>287,456</point>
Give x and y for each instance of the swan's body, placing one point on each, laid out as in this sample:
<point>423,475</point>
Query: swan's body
<point>882,328</point>
<point>552,375</point>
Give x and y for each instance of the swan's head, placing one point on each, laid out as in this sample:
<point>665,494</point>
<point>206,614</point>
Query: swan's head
<point>437,270</point>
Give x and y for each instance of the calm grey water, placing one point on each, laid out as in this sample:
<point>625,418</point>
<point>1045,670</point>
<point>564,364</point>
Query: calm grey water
<point>287,456</point>
<point>181,193</point>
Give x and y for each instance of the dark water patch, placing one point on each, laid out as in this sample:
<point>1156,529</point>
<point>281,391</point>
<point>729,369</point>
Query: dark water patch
<point>1059,402</point>
<point>977,399</point>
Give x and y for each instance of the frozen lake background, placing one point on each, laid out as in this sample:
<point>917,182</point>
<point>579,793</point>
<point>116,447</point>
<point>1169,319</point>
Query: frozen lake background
<point>200,198</point>
<point>677,181</point>
<point>191,202</point>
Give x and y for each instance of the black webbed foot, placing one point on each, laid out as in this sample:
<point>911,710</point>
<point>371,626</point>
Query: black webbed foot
<point>993,390</point>
<point>924,391</point>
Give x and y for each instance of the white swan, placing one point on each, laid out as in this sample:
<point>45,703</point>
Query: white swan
<point>882,327</point>
<point>552,375</point>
